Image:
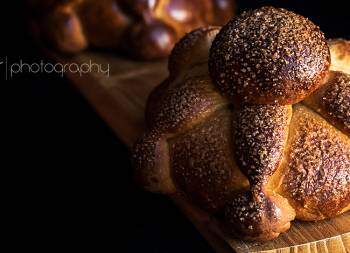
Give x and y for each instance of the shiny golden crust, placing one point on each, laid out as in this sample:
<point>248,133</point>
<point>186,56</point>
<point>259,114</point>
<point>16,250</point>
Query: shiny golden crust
<point>150,40</point>
<point>145,29</point>
<point>317,180</point>
<point>183,14</point>
<point>70,38</point>
<point>269,56</point>
<point>340,52</point>
<point>222,11</point>
<point>40,7</point>
<point>254,167</point>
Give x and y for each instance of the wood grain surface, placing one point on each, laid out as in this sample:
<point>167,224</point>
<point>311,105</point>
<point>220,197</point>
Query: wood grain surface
<point>120,100</point>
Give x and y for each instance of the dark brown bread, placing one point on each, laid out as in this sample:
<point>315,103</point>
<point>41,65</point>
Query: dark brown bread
<point>69,38</point>
<point>260,136</point>
<point>146,29</point>
<point>104,22</point>
<point>267,56</point>
<point>255,167</point>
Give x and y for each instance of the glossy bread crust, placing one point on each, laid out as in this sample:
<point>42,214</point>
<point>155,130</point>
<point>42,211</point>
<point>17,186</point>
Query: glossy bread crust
<point>254,166</point>
<point>146,29</point>
<point>317,171</point>
<point>269,56</point>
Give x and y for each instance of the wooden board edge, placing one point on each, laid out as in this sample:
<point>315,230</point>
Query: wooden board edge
<point>210,231</point>
<point>336,244</point>
<point>339,243</point>
<point>201,222</point>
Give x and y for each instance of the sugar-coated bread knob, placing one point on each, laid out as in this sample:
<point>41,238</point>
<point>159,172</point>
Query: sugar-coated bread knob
<point>269,56</point>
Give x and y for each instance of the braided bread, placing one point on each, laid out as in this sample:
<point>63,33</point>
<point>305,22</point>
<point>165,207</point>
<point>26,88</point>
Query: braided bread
<point>147,29</point>
<point>253,124</point>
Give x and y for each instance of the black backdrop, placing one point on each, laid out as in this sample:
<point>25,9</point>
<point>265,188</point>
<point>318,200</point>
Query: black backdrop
<point>65,182</point>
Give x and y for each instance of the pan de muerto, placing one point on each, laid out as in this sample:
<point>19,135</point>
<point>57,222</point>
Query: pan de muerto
<point>253,124</point>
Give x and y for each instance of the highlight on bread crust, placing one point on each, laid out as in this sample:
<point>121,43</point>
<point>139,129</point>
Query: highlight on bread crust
<point>145,29</point>
<point>340,52</point>
<point>269,56</point>
<point>69,39</point>
<point>253,165</point>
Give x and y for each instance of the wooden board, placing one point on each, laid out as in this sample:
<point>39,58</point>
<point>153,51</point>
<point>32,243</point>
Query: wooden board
<point>120,99</point>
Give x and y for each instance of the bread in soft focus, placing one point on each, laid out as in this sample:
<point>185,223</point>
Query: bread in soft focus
<point>255,164</point>
<point>340,52</point>
<point>145,29</point>
<point>63,26</point>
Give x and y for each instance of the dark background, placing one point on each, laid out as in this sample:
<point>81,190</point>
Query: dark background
<point>65,181</point>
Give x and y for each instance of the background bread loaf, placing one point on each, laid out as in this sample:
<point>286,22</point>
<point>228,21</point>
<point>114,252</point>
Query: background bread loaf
<point>145,29</point>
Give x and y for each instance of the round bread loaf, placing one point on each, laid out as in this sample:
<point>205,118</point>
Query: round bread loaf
<point>244,153</point>
<point>269,56</point>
